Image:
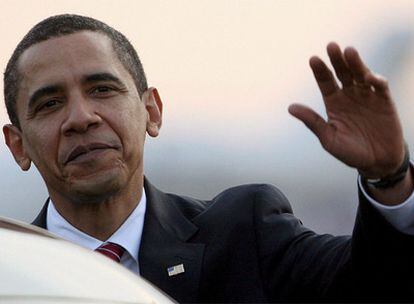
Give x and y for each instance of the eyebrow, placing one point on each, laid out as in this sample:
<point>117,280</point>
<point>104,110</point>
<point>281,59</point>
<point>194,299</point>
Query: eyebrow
<point>102,77</point>
<point>47,90</point>
<point>53,89</point>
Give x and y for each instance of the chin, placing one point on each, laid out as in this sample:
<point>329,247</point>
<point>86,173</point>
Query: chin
<point>96,189</point>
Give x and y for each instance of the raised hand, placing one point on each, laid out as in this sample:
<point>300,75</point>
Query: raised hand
<point>363,129</point>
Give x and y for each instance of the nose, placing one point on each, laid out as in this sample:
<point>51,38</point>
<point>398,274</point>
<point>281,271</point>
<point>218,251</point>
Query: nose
<point>81,115</point>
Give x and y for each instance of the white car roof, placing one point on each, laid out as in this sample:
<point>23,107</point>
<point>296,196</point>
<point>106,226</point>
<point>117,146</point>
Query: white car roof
<point>37,267</point>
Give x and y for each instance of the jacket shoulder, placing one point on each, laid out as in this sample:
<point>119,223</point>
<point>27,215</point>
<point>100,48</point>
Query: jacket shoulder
<point>239,197</point>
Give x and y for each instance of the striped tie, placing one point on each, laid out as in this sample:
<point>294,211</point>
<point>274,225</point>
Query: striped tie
<point>111,250</point>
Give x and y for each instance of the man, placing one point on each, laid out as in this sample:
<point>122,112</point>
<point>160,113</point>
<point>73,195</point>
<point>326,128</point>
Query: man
<point>80,108</point>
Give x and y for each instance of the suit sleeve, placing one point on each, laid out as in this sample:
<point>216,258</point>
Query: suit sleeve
<point>301,266</point>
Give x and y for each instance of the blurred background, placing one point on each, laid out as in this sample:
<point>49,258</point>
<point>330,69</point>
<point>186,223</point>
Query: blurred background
<point>227,71</point>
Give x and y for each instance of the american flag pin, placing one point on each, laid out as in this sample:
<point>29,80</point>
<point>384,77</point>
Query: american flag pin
<point>174,270</point>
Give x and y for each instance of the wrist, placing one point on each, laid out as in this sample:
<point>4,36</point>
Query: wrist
<point>392,179</point>
<point>395,195</point>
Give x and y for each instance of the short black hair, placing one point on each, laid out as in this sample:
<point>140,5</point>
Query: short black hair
<point>61,25</point>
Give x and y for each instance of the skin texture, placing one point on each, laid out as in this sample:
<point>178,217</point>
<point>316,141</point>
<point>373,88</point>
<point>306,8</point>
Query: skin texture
<point>83,125</point>
<point>363,129</point>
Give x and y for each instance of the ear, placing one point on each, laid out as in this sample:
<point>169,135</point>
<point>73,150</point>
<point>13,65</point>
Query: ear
<point>153,104</point>
<point>14,141</point>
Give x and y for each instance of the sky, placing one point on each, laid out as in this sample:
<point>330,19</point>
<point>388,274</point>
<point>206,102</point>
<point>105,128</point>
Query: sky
<point>227,71</point>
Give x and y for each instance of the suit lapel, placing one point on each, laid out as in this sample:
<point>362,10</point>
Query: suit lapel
<point>165,244</point>
<point>40,220</point>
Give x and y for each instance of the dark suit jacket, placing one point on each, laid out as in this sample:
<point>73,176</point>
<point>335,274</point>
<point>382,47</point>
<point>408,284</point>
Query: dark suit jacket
<point>246,246</point>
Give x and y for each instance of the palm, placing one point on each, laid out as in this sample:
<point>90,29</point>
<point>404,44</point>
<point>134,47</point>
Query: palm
<point>363,129</point>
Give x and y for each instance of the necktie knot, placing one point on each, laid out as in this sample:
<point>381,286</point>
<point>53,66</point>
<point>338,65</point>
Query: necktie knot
<point>111,250</point>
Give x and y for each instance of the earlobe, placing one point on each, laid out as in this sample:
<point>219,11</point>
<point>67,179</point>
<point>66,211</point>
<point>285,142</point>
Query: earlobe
<point>14,141</point>
<point>153,104</point>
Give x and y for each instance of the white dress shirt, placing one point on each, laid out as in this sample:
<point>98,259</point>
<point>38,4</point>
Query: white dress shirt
<point>128,235</point>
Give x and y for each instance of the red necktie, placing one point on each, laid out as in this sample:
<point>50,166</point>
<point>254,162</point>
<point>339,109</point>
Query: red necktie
<point>112,251</point>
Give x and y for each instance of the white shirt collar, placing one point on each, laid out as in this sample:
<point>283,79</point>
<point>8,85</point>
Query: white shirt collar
<point>128,235</point>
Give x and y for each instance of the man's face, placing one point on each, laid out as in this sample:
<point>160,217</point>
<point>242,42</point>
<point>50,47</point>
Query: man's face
<point>82,121</point>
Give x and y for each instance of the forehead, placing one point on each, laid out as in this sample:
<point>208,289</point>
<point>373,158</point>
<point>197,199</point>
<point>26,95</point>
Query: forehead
<point>69,57</point>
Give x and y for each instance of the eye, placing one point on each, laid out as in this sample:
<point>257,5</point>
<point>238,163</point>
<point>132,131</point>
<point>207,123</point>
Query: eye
<point>49,104</point>
<point>102,91</point>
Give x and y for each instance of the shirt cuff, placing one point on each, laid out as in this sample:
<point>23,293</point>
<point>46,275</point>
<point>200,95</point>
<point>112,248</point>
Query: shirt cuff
<point>400,216</point>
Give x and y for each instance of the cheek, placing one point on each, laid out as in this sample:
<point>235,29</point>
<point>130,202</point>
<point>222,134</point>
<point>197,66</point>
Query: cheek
<point>131,129</point>
<point>133,117</point>
<point>41,145</point>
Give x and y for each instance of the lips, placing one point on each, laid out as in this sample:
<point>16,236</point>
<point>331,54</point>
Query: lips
<point>84,149</point>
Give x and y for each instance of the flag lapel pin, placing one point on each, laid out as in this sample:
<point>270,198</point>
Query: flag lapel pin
<point>174,270</point>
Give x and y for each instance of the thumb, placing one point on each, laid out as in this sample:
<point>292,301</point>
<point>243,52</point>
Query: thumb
<point>311,119</point>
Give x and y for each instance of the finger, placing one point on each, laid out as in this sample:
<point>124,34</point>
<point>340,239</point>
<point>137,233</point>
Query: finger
<point>357,67</point>
<point>339,64</point>
<point>324,77</point>
<point>379,83</point>
<point>312,120</point>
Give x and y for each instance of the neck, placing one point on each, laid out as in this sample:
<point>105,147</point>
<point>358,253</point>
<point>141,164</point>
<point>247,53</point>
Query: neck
<point>100,219</point>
